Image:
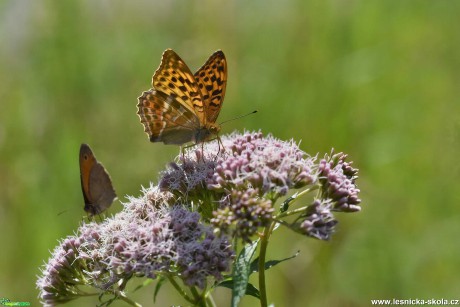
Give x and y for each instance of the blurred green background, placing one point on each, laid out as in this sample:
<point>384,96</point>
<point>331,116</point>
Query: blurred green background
<point>379,80</point>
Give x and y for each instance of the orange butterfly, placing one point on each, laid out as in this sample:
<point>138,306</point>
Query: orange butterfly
<point>96,184</point>
<point>183,107</point>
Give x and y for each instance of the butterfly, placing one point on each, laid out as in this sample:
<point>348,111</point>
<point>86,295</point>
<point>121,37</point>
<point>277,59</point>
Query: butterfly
<point>96,184</point>
<point>183,107</point>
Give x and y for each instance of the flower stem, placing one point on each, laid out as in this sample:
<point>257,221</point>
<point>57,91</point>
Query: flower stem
<point>300,194</point>
<point>179,289</point>
<point>123,297</point>
<point>315,187</point>
<point>262,254</point>
<point>199,300</point>
<point>210,301</point>
<point>288,213</point>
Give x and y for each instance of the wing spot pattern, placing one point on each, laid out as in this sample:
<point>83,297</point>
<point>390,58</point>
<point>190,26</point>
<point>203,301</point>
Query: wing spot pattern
<point>182,104</point>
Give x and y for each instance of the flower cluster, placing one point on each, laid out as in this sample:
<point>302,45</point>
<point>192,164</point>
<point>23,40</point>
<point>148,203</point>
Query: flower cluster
<point>318,221</point>
<point>242,213</point>
<point>244,178</point>
<point>250,160</point>
<point>337,179</point>
<point>62,275</point>
<point>269,165</point>
<point>251,172</point>
<point>152,236</point>
<point>337,192</point>
<point>182,228</point>
<point>189,177</point>
<point>206,257</point>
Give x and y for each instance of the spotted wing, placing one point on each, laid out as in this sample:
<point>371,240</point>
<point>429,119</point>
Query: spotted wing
<point>165,119</point>
<point>212,80</point>
<point>175,79</point>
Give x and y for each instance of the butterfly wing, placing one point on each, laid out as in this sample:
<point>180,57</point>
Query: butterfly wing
<point>85,197</point>
<point>165,119</point>
<point>175,79</point>
<point>87,161</point>
<point>96,185</point>
<point>101,190</point>
<point>212,81</point>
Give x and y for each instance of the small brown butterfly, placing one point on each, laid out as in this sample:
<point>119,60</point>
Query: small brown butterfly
<point>183,107</point>
<point>96,185</point>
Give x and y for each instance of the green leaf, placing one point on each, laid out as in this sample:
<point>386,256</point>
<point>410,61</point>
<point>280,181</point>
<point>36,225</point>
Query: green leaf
<point>252,291</point>
<point>250,288</point>
<point>241,272</point>
<point>270,263</point>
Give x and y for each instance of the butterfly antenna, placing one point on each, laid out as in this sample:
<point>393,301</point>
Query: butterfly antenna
<point>62,212</point>
<point>255,111</point>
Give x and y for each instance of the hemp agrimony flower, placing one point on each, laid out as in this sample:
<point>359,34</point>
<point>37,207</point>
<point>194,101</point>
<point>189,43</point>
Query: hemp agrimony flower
<point>317,221</point>
<point>236,190</point>
<point>266,164</point>
<point>337,179</point>
<point>242,213</point>
<point>150,238</point>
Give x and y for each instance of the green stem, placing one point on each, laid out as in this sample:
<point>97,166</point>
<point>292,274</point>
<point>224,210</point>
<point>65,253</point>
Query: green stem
<point>123,297</point>
<point>82,293</point>
<point>262,254</point>
<point>288,202</point>
<point>284,223</point>
<point>210,301</point>
<point>119,294</point>
<point>300,194</point>
<point>179,289</point>
<point>288,213</point>
<point>199,299</point>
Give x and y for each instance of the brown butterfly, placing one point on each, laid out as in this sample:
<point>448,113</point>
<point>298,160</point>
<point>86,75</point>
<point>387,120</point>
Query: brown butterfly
<point>96,185</point>
<point>183,107</point>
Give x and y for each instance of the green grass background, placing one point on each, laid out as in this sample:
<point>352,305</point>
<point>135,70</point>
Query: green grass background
<point>379,80</point>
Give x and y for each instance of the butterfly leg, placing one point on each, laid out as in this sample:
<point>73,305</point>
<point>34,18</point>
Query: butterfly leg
<point>202,151</point>
<point>182,152</point>
<point>219,142</point>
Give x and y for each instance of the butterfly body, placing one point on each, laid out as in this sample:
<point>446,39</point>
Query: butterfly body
<point>205,133</point>
<point>96,184</point>
<point>182,107</point>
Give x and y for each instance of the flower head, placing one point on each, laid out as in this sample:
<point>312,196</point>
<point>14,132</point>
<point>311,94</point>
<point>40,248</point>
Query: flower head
<point>337,178</point>
<point>318,221</point>
<point>63,274</point>
<point>153,235</point>
<point>265,164</point>
<point>250,160</point>
<point>243,213</point>
<point>182,228</point>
